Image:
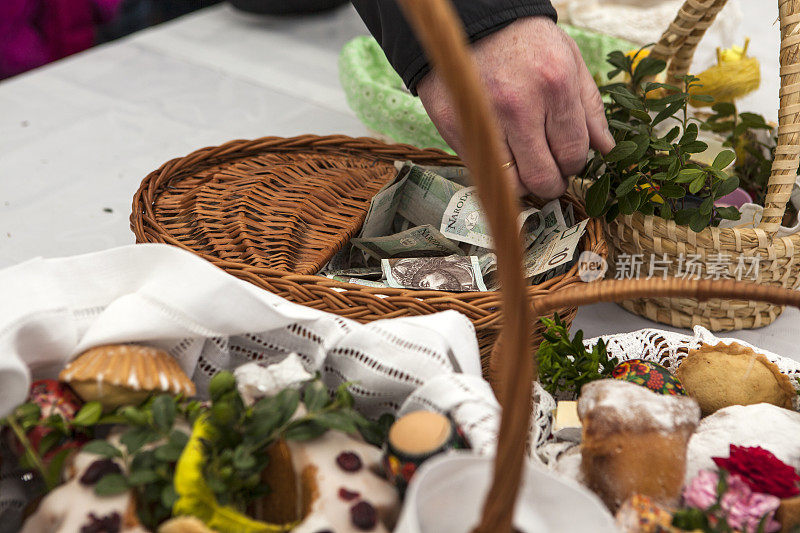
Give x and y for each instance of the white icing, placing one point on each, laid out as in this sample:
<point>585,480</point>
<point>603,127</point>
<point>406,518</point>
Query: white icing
<point>133,381</point>
<point>66,509</point>
<point>329,511</point>
<point>636,404</point>
<point>163,381</point>
<point>255,381</point>
<point>773,428</point>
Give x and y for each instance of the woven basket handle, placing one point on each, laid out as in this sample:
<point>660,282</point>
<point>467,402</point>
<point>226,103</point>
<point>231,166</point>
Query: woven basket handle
<point>677,47</point>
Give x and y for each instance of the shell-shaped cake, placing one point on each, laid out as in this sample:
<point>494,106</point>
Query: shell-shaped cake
<point>125,374</point>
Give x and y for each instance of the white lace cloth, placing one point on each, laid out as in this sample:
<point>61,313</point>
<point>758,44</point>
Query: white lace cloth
<point>53,309</point>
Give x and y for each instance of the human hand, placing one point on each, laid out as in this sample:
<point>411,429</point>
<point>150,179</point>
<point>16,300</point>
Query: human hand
<point>547,104</point>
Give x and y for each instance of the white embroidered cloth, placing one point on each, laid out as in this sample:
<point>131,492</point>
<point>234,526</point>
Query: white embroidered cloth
<point>53,309</point>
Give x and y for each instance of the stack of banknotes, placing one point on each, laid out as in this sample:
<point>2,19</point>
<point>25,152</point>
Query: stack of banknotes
<point>426,230</point>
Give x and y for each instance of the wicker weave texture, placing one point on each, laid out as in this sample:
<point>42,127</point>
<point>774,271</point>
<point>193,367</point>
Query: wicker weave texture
<point>273,211</point>
<point>653,236</point>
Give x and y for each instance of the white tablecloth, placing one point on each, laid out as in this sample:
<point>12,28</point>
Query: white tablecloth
<point>78,136</point>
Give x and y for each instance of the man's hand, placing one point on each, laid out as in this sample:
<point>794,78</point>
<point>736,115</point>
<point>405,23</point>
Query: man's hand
<point>546,101</point>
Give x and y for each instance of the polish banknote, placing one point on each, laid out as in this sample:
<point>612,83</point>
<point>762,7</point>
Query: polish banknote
<point>419,241</point>
<point>455,273</point>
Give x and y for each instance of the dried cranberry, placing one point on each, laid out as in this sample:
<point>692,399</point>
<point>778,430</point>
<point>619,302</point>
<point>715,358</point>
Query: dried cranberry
<point>363,516</point>
<point>349,462</point>
<point>104,524</point>
<point>348,495</point>
<point>99,469</point>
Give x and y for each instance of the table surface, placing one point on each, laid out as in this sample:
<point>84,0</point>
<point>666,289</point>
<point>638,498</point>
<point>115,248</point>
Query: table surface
<point>78,136</point>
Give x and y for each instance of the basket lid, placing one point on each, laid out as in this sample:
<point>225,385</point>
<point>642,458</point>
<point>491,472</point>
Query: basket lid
<point>286,207</point>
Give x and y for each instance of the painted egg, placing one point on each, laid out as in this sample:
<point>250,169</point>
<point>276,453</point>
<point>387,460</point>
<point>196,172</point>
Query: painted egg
<point>649,375</point>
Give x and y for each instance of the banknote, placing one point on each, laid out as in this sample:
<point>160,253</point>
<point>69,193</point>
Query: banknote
<point>358,281</point>
<point>383,206</point>
<point>371,272</point>
<point>569,216</point>
<point>459,175</point>
<point>464,220</point>
<point>552,218</point>
<point>557,250</point>
<point>449,273</point>
<point>425,196</point>
<point>419,241</point>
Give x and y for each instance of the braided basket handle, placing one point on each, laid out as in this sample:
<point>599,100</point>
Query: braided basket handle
<point>445,44</point>
<point>677,47</point>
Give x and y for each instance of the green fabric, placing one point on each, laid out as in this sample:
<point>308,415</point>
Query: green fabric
<point>376,93</point>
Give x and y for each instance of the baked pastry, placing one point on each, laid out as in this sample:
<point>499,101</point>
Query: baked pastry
<point>789,514</point>
<point>125,374</point>
<point>74,505</point>
<point>335,484</point>
<point>184,524</point>
<point>634,441</point>
<point>722,375</point>
<point>765,425</point>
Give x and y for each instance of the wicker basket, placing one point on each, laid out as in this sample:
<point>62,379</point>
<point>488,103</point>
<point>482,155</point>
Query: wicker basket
<point>273,211</point>
<point>651,236</point>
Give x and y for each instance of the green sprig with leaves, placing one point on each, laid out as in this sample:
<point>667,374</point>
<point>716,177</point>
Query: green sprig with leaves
<point>56,432</point>
<point>651,171</point>
<point>565,365</point>
<point>241,436</point>
<point>156,434</point>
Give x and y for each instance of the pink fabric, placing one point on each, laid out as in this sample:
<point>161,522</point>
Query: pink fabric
<point>35,32</point>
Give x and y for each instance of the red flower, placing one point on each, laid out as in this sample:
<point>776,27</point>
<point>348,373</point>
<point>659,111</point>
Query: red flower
<point>761,470</point>
<point>408,471</point>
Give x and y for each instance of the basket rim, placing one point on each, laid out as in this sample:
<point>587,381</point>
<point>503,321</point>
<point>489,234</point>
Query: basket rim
<point>147,228</point>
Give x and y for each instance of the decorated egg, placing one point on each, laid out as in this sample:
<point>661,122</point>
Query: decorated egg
<point>649,375</point>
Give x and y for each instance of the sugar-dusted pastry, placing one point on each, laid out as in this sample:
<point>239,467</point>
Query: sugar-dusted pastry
<point>722,375</point>
<point>184,524</point>
<point>338,487</point>
<point>634,441</point>
<point>74,506</point>
<point>125,374</point>
<point>765,425</point>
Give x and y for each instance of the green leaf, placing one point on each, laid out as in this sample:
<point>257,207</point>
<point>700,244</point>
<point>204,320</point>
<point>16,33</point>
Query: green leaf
<point>666,112</point>
<point>619,125</point>
<point>102,448</point>
<point>626,100</point>
<point>707,206</point>
<point>134,415</point>
<point>628,204</point>
<point>287,401</point>
<point>164,412</point>
<point>703,98</point>
<point>243,459</point>
<point>697,184</point>
<point>622,150</point>
<point>142,477</point>
<point>178,439</point>
<point>111,484</point>
<point>168,453</point>
<point>306,430</point>
<point>136,437</point>
<point>55,468</point>
<point>688,174</point>
<point>644,116</point>
<point>648,67</point>
<point>89,414</point>
<point>168,496</point>
<point>723,159</point>
<point>49,441</point>
<point>699,222</point>
<point>724,109</point>
<point>666,211</point>
<point>337,420</point>
<point>684,216</point>
<point>729,213</point>
<point>671,190</point>
<point>627,185</point>
<point>695,147</point>
<point>315,396</point>
<point>726,187</point>
<point>597,196</point>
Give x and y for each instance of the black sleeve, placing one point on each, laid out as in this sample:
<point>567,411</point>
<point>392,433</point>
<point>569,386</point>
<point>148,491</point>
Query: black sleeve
<point>387,24</point>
